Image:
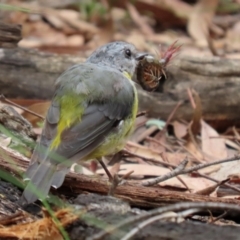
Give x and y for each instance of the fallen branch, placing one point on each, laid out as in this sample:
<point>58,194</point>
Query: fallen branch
<point>10,35</point>
<point>3,99</point>
<point>177,171</point>
<point>131,191</point>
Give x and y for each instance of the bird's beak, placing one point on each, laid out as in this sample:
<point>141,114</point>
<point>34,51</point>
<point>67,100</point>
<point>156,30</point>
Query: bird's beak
<point>140,56</point>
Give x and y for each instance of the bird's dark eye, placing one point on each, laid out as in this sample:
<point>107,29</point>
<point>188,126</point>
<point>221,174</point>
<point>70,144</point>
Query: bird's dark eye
<point>128,53</point>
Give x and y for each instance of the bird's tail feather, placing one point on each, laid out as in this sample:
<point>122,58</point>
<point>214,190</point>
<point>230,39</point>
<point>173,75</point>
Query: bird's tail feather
<point>32,168</point>
<point>59,177</point>
<point>40,182</point>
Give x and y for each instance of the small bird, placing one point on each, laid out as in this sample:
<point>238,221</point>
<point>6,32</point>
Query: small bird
<point>91,115</point>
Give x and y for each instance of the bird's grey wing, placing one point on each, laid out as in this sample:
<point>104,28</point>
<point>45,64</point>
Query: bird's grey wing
<point>85,136</point>
<point>99,118</point>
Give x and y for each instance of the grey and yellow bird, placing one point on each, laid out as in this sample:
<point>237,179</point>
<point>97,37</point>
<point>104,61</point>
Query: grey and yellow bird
<point>91,115</point>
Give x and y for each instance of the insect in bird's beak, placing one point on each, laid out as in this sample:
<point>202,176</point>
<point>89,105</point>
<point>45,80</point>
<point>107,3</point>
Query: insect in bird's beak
<point>151,69</point>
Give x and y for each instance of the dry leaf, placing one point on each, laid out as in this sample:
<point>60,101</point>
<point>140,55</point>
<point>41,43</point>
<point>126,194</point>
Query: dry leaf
<point>235,146</point>
<point>180,129</point>
<point>227,169</point>
<point>161,145</point>
<point>210,170</point>
<point>25,102</point>
<point>179,8</point>
<point>175,158</point>
<point>232,38</point>
<point>55,21</point>
<point>209,190</point>
<point>140,170</point>
<point>105,35</point>
<point>40,108</point>
<point>115,168</point>
<point>75,41</point>
<point>146,152</point>
<point>139,20</point>
<point>200,20</point>
<point>80,25</point>
<point>143,151</point>
<point>211,145</point>
<point>38,34</point>
<point>5,141</point>
<point>193,183</point>
<point>193,148</point>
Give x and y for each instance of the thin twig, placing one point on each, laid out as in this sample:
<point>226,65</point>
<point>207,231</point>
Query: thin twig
<point>169,175</point>
<point>204,165</point>
<point>178,177</point>
<point>175,173</point>
<point>174,207</point>
<point>190,96</point>
<point>2,98</point>
<point>227,137</point>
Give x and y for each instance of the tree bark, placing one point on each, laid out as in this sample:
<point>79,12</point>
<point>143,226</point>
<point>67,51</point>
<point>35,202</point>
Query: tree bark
<point>10,35</point>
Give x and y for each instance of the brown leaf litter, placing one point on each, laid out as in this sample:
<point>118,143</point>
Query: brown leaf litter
<point>45,228</point>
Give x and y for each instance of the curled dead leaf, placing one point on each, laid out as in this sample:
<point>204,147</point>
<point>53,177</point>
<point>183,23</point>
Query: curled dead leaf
<point>212,144</point>
<point>40,108</point>
<point>200,20</point>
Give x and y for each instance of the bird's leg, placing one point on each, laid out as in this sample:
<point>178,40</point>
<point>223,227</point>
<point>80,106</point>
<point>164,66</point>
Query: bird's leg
<point>105,169</point>
<point>117,157</point>
<point>114,180</point>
